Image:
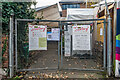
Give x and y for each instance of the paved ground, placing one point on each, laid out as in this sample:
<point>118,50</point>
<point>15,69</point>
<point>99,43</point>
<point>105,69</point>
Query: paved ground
<point>49,59</point>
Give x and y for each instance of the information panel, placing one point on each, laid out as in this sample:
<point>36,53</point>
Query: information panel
<point>37,37</point>
<point>81,37</point>
<point>54,35</point>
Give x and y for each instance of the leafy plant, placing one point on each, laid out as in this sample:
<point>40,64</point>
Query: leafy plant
<point>21,10</point>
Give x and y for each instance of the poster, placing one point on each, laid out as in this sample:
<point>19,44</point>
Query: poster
<point>101,31</point>
<point>54,35</point>
<point>49,36</point>
<point>81,37</point>
<point>67,40</point>
<point>37,37</point>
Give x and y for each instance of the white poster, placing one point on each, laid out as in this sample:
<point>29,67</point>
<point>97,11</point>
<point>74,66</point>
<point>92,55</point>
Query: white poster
<point>67,41</point>
<point>37,37</point>
<point>81,37</point>
<point>55,34</point>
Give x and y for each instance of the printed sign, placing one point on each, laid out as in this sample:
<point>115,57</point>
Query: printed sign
<point>81,37</point>
<point>67,41</point>
<point>55,34</point>
<point>37,37</point>
<point>49,36</point>
<point>101,31</point>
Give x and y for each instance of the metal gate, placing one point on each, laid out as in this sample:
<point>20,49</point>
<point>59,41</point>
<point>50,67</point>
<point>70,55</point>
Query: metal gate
<point>53,58</point>
<point>85,60</point>
<point>31,60</point>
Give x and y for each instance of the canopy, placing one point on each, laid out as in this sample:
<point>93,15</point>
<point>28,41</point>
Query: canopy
<point>80,13</point>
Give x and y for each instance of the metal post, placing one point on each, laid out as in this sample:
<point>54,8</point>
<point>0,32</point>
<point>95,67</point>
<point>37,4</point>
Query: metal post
<point>11,59</point>
<point>59,50</point>
<point>61,46</point>
<point>16,44</point>
<point>109,43</point>
<point>104,53</point>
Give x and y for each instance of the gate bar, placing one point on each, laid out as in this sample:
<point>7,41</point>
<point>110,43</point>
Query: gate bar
<point>58,20</point>
<point>61,46</point>
<point>31,20</point>
<point>11,58</point>
<point>16,44</point>
<point>36,69</point>
<point>104,55</point>
<point>59,50</point>
<point>82,69</point>
<point>82,20</point>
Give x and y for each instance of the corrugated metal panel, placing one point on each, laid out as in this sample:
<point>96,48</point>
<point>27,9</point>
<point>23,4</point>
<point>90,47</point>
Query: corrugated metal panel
<point>100,26</point>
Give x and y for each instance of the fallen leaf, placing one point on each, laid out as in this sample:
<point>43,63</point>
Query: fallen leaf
<point>61,75</point>
<point>66,76</point>
<point>67,59</point>
<point>98,66</point>
<point>50,76</point>
<point>54,60</point>
<point>33,72</point>
<point>21,76</point>
<point>91,75</point>
<point>30,77</point>
<point>57,72</point>
<point>57,76</point>
<point>73,73</point>
<point>69,64</point>
<point>85,75</point>
<point>76,63</point>
<point>33,77</point>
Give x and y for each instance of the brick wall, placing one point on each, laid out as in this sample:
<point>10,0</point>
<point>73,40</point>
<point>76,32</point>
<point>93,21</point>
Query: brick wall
<point>5,59</point>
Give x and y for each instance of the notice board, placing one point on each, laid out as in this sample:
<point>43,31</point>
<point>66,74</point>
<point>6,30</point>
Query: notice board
<point>54,35</point>
<point>81,37</point>
<point>37,37</point>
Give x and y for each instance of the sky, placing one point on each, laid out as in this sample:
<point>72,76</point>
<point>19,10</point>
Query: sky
<point>46,2</point>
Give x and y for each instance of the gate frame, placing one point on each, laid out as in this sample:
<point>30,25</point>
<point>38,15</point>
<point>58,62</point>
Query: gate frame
<point>60,64</point>
<point>16,59</point>
<point>104,52</point>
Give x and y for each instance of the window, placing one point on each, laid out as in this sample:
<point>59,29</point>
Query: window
<point>65,6</point>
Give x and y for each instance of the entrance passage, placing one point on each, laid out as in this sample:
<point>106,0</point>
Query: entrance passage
<point>46,59</point>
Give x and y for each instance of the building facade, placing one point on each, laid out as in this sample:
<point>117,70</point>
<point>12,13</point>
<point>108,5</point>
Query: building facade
<point>75,4</point>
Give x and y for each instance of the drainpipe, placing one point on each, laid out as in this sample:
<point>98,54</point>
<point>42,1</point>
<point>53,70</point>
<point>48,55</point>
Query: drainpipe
<point>86,3</point>
<point>109,43</point>
<point>11,57</point>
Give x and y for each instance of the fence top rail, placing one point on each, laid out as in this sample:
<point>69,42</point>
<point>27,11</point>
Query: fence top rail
<point>31,20</point>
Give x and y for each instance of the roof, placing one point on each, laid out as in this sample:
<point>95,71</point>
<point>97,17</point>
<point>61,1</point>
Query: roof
<point>43,7</point>
<point>103,3</point>
<point>77,1</point>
